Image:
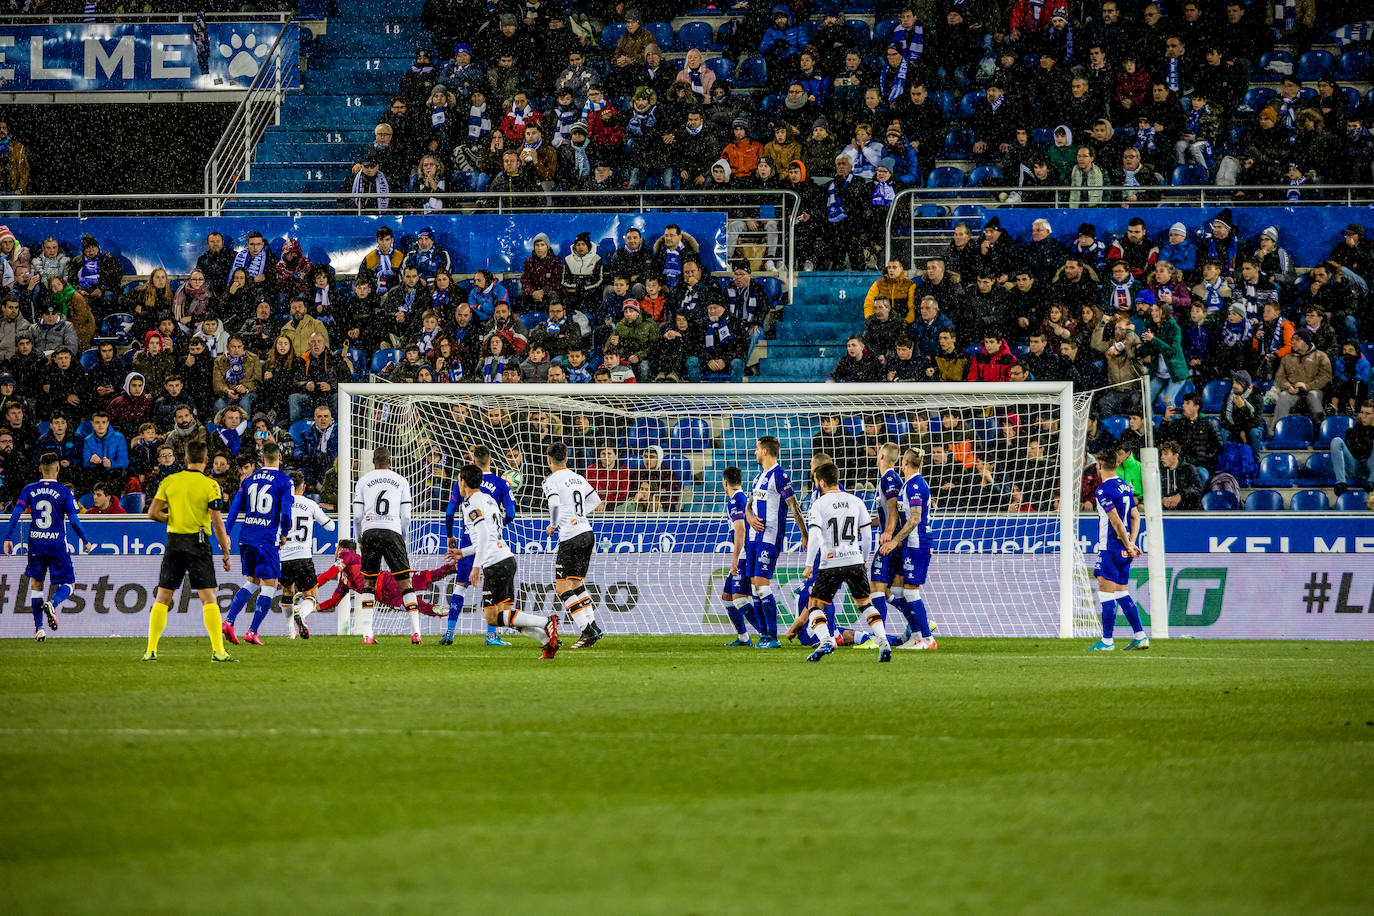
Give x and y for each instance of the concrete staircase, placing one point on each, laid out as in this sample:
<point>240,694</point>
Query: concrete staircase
<point>826,308</point>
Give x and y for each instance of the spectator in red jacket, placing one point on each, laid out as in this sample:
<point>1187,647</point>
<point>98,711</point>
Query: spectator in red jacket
<point>610,477</point>
<point>542,274</point>
<point>104,501</point>
<point>992,363</point>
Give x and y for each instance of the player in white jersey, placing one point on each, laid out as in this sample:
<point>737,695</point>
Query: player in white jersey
<point>381,512</point>
<point>571,499</point>
<point>297,567</point>
<point>493,567</point>
<point>839,525</point>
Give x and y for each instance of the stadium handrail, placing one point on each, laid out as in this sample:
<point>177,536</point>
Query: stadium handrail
<point>149,18</point>
<point>947,200</point>
<point>232,157</point>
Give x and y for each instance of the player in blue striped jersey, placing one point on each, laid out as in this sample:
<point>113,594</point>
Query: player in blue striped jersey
<point>885,572</point>
<point>50,507</point>
<point>265,499</point>
<point>735,593</point>
<point>495,486</point>
<point>913,540</point>
<point>1116,547</point>
<point>765,514</point>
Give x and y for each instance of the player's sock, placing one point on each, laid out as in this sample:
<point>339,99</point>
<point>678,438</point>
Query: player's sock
<point>414,622</point>
<point>744,606</point>
<point>898,600</point>
<point>36,606</point>
<point>365,609</point>
<point>538,634</point>
<point>210,614</point>
<point>756,606</point>
<point>455,607</point>
<point>920,623</point>
<point>412,604</point>
<point>820,627</point>
<point>875,623</point>
<point>305,606</point>
<point>1132,613</point>
<point>879,603</point>
<point>241,598</point>
<point>736,613</point>
<point>769,615</point>
<point>157,622</point>
<point>1108,600</point>
<point>520,620</point>
<point>579,605</point>
<point>264,606</point>
<point>60,596</point>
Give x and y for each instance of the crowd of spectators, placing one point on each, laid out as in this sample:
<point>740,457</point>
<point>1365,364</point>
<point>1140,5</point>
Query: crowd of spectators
<point>1083,95</point>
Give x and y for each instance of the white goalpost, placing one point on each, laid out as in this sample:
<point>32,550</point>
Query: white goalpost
<point>1004,462</point>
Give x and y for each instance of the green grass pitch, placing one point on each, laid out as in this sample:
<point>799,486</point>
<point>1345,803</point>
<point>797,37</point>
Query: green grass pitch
<point>669,775</point>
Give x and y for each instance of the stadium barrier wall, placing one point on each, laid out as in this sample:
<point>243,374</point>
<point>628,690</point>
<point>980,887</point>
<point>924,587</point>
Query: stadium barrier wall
<point>498,242</point>
<point>1216,595</point>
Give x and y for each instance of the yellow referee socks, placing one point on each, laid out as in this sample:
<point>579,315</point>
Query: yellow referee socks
<point>212,626</point>
<point>157,622</point>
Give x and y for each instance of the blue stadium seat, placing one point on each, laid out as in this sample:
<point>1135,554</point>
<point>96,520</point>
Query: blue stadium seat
<point>1220,501</point>
<point>945,176</point>
<point>385,357</point>
<point>1277,470</point>
<point>89,358</point>
<point>1354,65</point>
<point>1264,501</point>
<point>696,35</point>
<point>771,103</point>
<point>647,431</point>
<point>663,35</point>
<point>1313,64</point>
<point>752,73</point>
<point>680,466</point>
<point>359,360</point>
<point>690,435</point>
<point>862,37</point>
<point>1352,98</point>
<point>969,104</point>
<point>982,173</point>
<point>86,501</point>
<point>1189,175</point>
<point>1351,501</point>
<point>1292,432</point>
<point>946,102</point>
<point>772,287</point>
<point>117,325</point>
<point>958,144</point>
<point>897,426</point>
<point>1332,427</point>
<point>722,67</point>
<point>1214,395</point>
<point>882,34</point>
<point>132,503</point>
<point>298,429</point>
<point>1043,136</point>
<point>1255,99</point>
<point>43,428</point>
<point>1269,57</point>
<point>131,286</point>
<point>1116,425</point>
<point>611,34</point>
<point>1203,475</point>
<point>1318,470</point>
<point>1309,501</point>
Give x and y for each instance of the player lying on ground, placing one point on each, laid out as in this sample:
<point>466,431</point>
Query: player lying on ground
<point>299,586</point>
<point>913,540</point>
<point>495,486</point>
<point>50,507</point>
<point>571,500</point>
<point>265,500</point>
<point>1116,547</point>
<point>839,525</point>
<point>767,522</point>
<point>736,592</point>
<point>348,568</point>
<point>494,566</point>
<point>188,502</point>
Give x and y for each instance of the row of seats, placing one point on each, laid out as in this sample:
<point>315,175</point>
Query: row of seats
<point>1291,432</point>
<point>1281,469</point>
<point>1271,501</point>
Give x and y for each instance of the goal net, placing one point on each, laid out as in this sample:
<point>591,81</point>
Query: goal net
<point>1003,462</point>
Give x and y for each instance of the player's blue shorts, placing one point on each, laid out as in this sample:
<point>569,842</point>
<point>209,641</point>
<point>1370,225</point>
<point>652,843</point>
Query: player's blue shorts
<point>915,565</point>
<point>737,585</point>
<point>1114,565</point>
<point>260,561</point>
<point>762,559</point>
<point>56,566</point>
<point>462,572</point>
<point>885,568</point>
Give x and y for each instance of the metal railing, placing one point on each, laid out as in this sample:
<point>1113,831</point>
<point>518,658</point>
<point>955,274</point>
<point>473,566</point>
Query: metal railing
<point>232,157</point>
<point>134,18</point>
<point>926,215</point>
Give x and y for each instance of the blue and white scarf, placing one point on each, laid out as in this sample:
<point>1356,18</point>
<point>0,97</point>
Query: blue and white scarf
<point>639,123</point>
<point>743,303</point>
<point>718,335</point>
<point>892,83</point>
<point>234,374</point>
<point>1129,179</point>
<point>255,265</point>
<point>672,264</point>
<point>441,300</point>
<point>322,296</point>
<point>694,76</point>
<point>1145,140</point>
<point>1173,74</point>
<point>834,207</point>
<point>1294,192</point>
<point>582,164</point>
<point>409,302</point>
<point>590,108</point>
<point>883,194</point>
<point>1288,111</point>
<point>1123,294</point>
<point>1285,15</point>
<point>1226,255</point>
<point>562,131</point>
<point>1211,292</point>
<point>479,122</point>
<point>580,375</point>
<point>89,275</point>
<point>438,117</point>
<point>911,42</point>
<point>384,269</point>
<point>426,341</point>
<point>492,367</point>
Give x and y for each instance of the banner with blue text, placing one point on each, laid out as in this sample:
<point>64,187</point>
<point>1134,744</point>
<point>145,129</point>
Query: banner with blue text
<point>146,57</point>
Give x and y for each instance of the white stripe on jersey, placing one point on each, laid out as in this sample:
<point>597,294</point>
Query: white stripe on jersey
<point>300,540</point>
<point>482,518</point>
<point>839,524</point>
<point>381,500</point>
<point>571,499</point>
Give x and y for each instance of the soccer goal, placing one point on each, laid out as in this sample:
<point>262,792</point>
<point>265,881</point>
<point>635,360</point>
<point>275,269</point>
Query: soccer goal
<point>1004,463</point>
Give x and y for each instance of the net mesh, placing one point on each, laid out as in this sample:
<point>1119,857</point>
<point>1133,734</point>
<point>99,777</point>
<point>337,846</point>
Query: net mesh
<point>663,537</point>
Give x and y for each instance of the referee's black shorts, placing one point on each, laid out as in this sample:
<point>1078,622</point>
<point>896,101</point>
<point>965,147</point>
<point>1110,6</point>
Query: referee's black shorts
<point>187,555</point>
<point>380,544</point>
<point>574,556</point>
<point>828,582</point>
<point>498,583</point>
